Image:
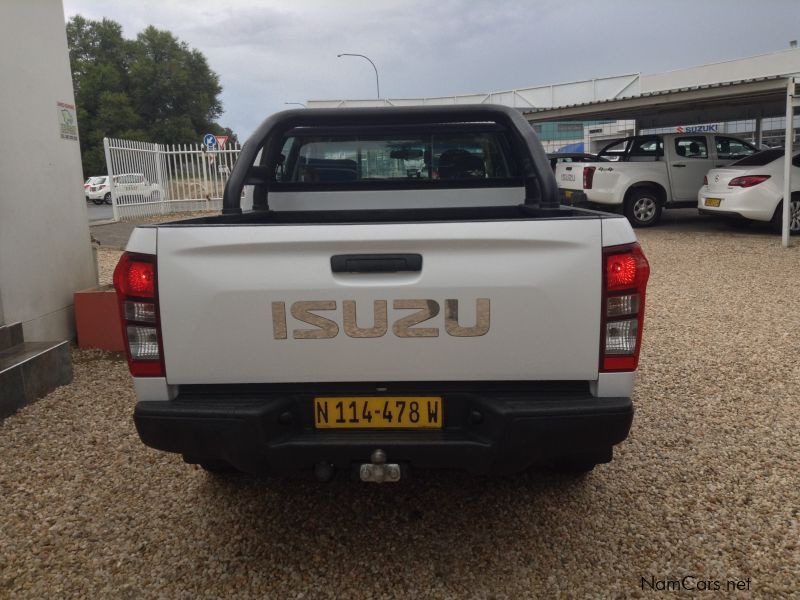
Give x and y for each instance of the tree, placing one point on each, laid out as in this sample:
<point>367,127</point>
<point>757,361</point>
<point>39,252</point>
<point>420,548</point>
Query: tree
<point>154,88</point>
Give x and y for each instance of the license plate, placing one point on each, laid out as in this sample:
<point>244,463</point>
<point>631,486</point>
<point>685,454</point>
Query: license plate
<point>381,412</point>
<point>713,201</point>
<point>568,194</point>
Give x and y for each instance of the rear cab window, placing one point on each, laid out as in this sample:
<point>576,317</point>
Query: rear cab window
<point>729,148</point>
<point>392,167</point>
<point>691,147</point>
<point>649,148</point>
<point>360,161</point>
<point>615,151</point>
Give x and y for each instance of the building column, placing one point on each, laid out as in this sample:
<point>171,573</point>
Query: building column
<point>791,101</point>
<point>758,134</point>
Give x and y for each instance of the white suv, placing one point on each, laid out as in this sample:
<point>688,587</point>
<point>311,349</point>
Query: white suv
<point>128,185</point>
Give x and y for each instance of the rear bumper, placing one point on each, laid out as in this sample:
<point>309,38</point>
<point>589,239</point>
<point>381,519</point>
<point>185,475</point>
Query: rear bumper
<point>484,431</point>
<point>727,214</point>
<point>739,205</point>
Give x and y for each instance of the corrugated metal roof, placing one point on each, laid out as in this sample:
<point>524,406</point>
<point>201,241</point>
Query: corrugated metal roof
<point>657,93</point>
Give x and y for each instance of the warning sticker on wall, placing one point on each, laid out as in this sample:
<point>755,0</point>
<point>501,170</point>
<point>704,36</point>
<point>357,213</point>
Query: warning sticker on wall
<point>67,121</point>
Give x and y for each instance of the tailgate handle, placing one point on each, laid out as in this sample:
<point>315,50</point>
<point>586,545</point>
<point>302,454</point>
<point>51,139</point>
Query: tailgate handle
<point>375,263</point>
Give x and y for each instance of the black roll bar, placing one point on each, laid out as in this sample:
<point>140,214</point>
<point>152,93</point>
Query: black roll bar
<point>540,184</point>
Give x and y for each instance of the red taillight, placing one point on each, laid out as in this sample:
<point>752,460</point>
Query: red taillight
<point>588,177</point>
<point>135,282</point>
<point>135,277</point>
<point>748,180</point>
<point>705,179</point>
<point>625,275</point>
<point>621,271</point>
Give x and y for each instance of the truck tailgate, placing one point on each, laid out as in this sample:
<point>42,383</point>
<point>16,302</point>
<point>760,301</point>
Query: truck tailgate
<point>569,176</point>
<point>537,283</point>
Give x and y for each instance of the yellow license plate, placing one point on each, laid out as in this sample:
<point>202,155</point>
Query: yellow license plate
<point>713,201</point>
<point>378,412</point>
<point>567,194</point>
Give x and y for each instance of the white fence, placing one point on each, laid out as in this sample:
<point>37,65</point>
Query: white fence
<point>156,179</point>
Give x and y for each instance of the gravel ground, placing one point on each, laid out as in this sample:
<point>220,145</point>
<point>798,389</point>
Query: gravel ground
<point>106,262</point>
<point>706,486</point>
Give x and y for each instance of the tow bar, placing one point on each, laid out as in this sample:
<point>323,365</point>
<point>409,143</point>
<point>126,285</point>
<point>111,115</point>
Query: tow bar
<point>379,471</point>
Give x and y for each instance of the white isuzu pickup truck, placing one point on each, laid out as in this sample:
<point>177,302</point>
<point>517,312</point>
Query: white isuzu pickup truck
<point>649,173</point>
<point>404,292</point>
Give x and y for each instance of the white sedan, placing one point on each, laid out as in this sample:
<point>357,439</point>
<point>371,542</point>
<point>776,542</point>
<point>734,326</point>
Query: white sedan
<point>752,188</point>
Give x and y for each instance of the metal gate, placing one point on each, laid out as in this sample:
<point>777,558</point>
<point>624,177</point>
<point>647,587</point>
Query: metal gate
<point>157,179</point>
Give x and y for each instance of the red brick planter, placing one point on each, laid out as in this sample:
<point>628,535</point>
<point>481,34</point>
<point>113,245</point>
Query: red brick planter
<point>97,319</point>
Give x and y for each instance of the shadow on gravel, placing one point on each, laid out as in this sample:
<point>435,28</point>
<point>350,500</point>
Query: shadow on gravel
<point>419,523</point>
<point>688,220</point>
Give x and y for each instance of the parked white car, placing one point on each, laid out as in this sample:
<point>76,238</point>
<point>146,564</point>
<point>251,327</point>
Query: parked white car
<point>752,188</point>
<point>90,182</point>
<point>97,190</point>
<point>128,185</point>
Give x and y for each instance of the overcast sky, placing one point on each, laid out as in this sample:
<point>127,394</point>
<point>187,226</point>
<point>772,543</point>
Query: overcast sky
<point>268,52</point>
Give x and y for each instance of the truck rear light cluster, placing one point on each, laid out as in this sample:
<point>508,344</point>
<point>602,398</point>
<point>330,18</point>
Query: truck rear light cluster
<point>625,274</point>
<point>135,282</point>
<point>588,177</point>
<point>748,181</point>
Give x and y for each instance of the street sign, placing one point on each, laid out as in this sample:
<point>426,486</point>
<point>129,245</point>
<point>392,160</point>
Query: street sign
<point>209,140</point>
<point>221,139</point>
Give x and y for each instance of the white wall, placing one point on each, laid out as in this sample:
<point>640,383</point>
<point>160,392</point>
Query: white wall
<point>45,249</point>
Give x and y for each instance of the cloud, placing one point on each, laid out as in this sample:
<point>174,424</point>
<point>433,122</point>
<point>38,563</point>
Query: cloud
<point>270,52</point>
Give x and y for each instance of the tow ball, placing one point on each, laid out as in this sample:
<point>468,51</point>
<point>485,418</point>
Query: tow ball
<point>379,471</point>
